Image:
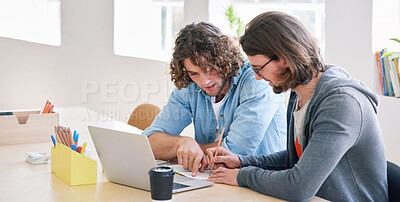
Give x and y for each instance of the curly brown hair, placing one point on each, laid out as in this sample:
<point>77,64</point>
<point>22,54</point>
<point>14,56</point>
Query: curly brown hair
<point>206,47</point>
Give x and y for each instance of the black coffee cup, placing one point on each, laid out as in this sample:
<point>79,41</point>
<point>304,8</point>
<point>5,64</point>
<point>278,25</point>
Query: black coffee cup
<point>161,182</point>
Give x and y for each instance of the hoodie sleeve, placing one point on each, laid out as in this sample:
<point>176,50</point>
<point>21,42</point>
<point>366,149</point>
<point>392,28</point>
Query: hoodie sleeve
<point>337,126</point>
<point>275,161</point>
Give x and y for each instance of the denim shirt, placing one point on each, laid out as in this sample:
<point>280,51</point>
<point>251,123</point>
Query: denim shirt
<point>253,115</point>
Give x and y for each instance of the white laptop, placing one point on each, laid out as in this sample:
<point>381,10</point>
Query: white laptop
<point>127,158</point>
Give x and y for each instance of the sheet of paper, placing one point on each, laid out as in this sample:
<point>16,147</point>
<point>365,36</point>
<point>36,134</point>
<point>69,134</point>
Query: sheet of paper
<point>180,170</point>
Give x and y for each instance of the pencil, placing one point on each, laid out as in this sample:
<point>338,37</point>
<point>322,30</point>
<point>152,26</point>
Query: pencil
<point>216,151</point>
<point>60,130</point>
<point>63,140</point>
<point>70,136</point>
<point>64,130</point>
<point>67,141</point>
<point>57,136</point>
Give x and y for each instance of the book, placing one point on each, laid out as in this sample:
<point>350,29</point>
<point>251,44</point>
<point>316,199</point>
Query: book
<point>385,87</point>
<point>385,64</point>
<point>393,76</point>
<point>396,63</point>
<point>379,66</point>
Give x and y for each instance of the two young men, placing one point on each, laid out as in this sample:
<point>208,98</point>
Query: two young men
<point>216,89</point>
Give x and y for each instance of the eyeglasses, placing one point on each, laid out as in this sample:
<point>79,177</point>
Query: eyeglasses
<point>257,71</point>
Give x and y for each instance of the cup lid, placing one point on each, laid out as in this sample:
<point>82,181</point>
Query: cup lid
<point>163,171</point>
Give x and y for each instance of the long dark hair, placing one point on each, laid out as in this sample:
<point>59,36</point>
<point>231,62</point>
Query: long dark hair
<point>277,34</point>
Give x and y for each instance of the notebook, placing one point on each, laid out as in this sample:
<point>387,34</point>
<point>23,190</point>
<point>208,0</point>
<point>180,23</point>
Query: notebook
<point>127,157</point>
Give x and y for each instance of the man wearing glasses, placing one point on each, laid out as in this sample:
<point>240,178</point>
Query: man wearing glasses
<point>335,149</point>
<point>216,89</point>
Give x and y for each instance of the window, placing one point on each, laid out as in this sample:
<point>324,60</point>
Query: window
<point>36,21</point>
<point>310,12</point>
<point>147,28</point>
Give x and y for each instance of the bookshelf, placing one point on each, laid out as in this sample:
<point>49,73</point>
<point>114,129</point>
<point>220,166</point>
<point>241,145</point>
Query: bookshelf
<point>388,73</point>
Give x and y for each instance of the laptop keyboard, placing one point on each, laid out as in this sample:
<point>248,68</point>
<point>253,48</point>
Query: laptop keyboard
<point>179,186</point>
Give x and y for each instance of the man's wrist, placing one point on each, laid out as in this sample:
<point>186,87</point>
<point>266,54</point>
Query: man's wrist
<point>181,140</point>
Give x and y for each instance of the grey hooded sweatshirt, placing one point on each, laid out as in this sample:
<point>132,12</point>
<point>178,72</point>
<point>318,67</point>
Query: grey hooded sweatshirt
<point>343,155</point>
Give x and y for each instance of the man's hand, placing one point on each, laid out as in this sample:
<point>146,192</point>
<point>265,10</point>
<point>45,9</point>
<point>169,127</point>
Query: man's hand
<point>190,155</point>
<point>225,176</point>
<point>224,158</point>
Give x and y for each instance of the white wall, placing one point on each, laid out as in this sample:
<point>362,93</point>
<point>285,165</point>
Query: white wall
<point>32,73</point>
<point>349,44</point>
<point>386,24</point>
<point>195,11</point>
<point>348,39</point>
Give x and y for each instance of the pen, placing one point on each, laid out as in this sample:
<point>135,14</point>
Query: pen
<point>83,148</point>
<point>51,109</point>
<point>53,139</point>
<point>76,137</point>
<point>216,151</point>
<point>73,147</point>
<point>79,149</point>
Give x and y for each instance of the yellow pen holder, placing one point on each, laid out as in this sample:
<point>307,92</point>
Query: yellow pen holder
<point>72,167</point>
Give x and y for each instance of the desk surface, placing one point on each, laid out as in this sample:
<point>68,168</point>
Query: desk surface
<point>21,181</point>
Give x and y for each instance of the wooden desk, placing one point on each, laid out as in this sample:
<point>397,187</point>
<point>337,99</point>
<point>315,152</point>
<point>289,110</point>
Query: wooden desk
<point>21,181</point>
